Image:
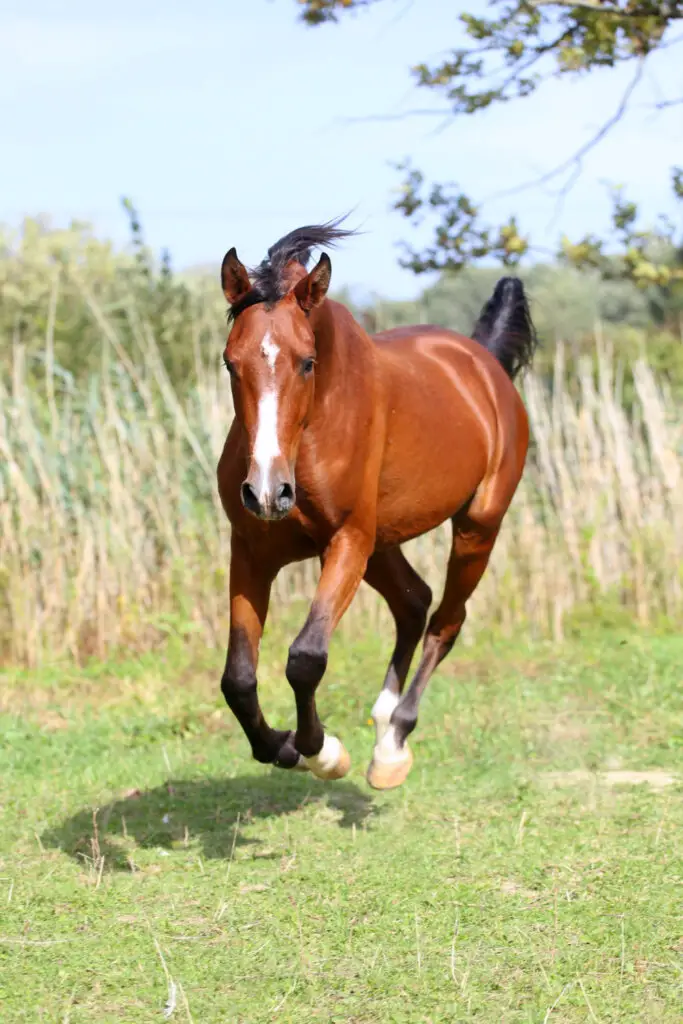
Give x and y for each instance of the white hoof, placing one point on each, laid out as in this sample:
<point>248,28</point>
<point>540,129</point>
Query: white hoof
<point>388,774</point>
<point>391,761</point>
<point>333,761</point>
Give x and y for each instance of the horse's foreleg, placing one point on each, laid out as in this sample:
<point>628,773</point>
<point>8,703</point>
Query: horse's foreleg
<point>250,585</point>
<point>344,564</point>
<point>472,545</point>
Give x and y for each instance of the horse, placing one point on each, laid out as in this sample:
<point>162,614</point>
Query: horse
<point>343,447</point>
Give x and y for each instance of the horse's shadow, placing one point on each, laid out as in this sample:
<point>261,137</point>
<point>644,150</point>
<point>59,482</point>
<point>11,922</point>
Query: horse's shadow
<point>213,812</point>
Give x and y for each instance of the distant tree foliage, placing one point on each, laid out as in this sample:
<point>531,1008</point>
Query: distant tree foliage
<point>71,303</point>
<point>566,304</point>
<point>63,290</point>
<point>509,55</point>
<point>569,306</point>
<point>536,39</point>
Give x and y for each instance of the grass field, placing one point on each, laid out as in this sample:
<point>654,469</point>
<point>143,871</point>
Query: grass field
<point>147,866</point>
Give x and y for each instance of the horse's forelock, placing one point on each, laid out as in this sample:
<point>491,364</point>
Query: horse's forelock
<point>286,262</point>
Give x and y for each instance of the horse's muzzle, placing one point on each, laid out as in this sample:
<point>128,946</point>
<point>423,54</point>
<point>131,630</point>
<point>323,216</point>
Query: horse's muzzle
<point>273,502</point>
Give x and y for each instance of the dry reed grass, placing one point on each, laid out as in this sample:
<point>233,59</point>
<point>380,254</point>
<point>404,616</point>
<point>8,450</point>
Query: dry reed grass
<point>111,534</point>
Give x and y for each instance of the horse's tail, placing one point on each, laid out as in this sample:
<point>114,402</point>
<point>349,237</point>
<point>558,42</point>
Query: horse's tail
<point>505,328</point>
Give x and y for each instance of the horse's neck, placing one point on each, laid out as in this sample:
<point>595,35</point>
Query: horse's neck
<point>342,346</point>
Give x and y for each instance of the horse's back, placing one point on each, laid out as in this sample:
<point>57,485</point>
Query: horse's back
<point>432,352</point>
<point>415,339</point>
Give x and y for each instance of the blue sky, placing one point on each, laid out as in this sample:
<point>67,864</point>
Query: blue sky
<point>227,122</point>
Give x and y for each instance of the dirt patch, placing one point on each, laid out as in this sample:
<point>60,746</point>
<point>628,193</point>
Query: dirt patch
<point>510,888</point>
<point>52,721</point>
<point>655,778</point>
<point>567,728</point>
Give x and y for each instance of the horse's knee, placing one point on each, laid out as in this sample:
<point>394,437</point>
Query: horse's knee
<point>238,686</point>
<point>307,660</point>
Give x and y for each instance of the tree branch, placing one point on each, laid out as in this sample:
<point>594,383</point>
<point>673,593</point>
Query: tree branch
<point>590,5</point>
<point>663,104</point>
<point>574,163</point>
<point>669,12</point>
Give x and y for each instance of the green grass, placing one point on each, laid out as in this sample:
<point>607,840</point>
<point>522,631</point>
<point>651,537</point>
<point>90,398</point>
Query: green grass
<point>488,888</point>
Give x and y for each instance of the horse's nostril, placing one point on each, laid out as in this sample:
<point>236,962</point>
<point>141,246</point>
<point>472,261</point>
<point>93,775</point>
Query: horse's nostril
<point>250,498</point>
<point>284,497</point>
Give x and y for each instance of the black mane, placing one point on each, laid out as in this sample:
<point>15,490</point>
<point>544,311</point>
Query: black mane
<point>268,278</point>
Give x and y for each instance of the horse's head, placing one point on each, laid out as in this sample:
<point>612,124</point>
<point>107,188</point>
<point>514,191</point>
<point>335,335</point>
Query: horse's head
<point>270,355</point>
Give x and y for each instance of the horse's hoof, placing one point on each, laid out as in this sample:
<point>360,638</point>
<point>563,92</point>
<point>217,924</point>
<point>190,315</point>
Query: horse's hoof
<point>389,775</point>
<point>333,761</point>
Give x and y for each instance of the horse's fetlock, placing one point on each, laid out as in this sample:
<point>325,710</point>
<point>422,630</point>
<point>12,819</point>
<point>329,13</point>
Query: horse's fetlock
<point>310,744</point>
<point>404,720</point>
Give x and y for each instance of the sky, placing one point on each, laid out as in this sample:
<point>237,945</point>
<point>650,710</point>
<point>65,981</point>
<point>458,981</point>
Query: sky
<point>228,122</point>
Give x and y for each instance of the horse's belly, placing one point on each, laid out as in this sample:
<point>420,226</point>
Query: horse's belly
<point>426,481</point>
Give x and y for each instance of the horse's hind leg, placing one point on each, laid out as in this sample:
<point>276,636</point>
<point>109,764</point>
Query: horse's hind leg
<point>473,540</point>
<point>408,596</point>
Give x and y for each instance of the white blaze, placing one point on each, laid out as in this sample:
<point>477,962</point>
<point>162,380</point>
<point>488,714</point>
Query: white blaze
<point>269,350</point>
<point>266,445</point>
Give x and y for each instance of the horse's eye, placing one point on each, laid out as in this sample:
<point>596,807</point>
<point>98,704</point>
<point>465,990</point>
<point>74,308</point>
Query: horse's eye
<point>229,367</point>
<point>307,366</point>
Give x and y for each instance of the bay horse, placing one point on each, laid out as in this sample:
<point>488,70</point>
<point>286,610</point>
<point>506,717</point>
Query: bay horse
<point>343,447</point>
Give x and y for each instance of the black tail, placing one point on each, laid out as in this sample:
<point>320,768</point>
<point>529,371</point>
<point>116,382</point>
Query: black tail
<point>504,327</point>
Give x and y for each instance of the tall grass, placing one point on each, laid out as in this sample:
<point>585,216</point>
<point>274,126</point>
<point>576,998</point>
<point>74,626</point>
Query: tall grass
<point>112,536</point>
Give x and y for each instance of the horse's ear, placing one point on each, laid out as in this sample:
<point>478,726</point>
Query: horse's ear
<point>312,289</point>
<point>234,278</point>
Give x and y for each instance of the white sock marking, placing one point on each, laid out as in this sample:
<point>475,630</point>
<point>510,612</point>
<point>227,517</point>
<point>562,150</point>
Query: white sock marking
<point>328,758</point>
<point>382,711</point>
<point>266,446</point>
<point>387,749</point>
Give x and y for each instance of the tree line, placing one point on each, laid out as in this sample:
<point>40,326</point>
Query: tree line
<point>62,291</point>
